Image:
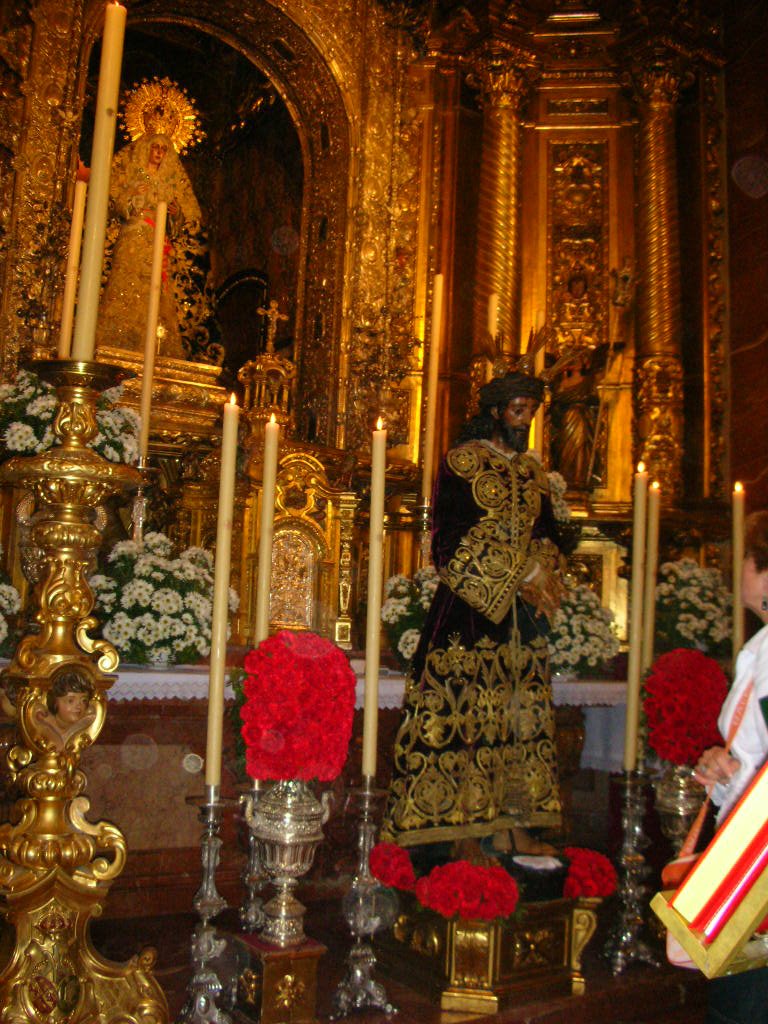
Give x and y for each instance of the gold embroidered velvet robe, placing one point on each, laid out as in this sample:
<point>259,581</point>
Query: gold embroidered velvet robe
<point>475,751</point>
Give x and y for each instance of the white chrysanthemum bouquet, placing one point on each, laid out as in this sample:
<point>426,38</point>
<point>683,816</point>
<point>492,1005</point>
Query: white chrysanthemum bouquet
<point>28,408</point>
<point>693,609</point>
<point>10,604</point>
<point>405,608</point>
<point>583,638</point>
<point>156,608</point>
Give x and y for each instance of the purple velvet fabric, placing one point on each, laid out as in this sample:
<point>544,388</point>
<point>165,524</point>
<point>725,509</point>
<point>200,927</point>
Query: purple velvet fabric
<point>454,513</point>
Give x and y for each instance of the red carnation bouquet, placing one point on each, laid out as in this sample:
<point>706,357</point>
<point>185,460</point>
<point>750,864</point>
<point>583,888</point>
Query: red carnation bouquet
<point>392,866</point>
<point>456,889</point>
<point>299,702</point>
<point>470,891</point>
<point>683,696</point>
<point>589,874</point>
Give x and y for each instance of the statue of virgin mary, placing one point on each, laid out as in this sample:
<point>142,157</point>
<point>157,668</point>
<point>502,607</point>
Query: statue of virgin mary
<point>145,172</point>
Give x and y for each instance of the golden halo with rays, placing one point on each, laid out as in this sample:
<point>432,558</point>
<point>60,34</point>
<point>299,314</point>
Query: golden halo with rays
<point>162,107</point>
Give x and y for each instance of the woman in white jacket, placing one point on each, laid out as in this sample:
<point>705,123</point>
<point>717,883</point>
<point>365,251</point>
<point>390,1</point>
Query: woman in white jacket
<point>743,998</point>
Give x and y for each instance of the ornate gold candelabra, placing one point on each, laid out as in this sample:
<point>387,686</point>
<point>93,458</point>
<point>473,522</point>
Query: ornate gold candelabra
<point>56,867</point>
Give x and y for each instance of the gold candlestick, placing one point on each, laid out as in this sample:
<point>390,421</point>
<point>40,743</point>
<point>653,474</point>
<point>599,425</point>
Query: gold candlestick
<point>56,867</point>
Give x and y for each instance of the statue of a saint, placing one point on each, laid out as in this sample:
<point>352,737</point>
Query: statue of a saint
<point>144,173</point>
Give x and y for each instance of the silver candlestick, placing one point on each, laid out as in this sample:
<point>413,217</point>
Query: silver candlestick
<point>139,509</point>
<point>254,876</point>
<point>624,944</point>
<point>368,906</point>
<point>205,986</point>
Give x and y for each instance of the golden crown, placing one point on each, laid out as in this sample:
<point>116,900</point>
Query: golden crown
<point>162,107</point>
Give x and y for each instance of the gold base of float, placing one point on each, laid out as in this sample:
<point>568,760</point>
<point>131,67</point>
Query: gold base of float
<point>280,985</point>
<point>56,867</point>
<point>486,966</point>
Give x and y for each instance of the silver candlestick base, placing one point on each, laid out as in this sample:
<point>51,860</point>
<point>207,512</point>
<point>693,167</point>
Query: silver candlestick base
<point>624,945</point>
<point>368,906</point>
<point>205,986</point>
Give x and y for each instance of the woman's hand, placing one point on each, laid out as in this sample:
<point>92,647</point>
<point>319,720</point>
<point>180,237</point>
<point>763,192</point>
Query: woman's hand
<point>715,765</point>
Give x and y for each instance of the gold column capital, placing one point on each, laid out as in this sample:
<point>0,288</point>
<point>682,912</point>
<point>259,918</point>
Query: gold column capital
<point>657,81</point>
<point>502,72</point>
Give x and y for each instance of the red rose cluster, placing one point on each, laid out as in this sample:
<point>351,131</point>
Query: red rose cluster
<point>299,702</point>
<point>392,866</point>
<point>683,696</point>
<point>589,874</point>
<point>469,891</point>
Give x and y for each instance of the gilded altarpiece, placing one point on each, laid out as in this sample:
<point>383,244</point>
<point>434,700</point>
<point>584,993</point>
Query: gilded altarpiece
<point>578,236</point>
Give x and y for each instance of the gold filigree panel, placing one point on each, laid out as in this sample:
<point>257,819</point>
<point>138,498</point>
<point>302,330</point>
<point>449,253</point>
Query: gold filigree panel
<point>38,132</point>
<point>578,229</point>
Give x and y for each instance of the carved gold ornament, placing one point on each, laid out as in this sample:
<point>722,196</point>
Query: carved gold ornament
<point>162,107</point>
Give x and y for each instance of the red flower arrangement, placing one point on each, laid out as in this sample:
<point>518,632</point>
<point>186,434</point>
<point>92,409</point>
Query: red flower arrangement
<point>392,866</point>
<point>683,696</point>
<point>589,874</point>
<point>299,703</point>
<point>470,891</point>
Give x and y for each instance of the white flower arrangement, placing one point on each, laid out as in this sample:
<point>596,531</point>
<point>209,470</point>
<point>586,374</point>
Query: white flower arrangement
<point>405,609</point>
<point>557,488</point>
<point>28,408</point>
<point>155,608</point>
<point>583,638</point>
<point>693,608</point>
<point>10,604</point>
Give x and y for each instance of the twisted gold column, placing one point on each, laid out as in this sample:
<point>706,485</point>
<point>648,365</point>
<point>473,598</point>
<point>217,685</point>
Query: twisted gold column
<point>500,75</point>
<point>658,368</point>
<point>55,865</point>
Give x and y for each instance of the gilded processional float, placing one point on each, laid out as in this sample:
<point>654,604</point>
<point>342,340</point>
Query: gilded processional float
<point>365,303</point>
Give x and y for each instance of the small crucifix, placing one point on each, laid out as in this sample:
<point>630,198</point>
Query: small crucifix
<point>272,314</point>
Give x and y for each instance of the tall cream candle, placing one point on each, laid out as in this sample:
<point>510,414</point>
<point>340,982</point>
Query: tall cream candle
<point>268,488</point>
<point>375,584</point>
<point>651,565</point>
<point>150,336</point>
<point>640,504</point>
<point>73,267</point>
<point>98,183</point>
<point>493,314</point>
<point>428,462</point>
<point>221,593</point>
<point>737,544</point>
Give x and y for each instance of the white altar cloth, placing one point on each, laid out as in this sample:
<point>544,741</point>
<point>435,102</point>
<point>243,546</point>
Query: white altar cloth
<point>603,701</point>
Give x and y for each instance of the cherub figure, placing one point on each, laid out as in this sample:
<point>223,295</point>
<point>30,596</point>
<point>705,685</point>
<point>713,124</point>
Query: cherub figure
<point>68,708</point>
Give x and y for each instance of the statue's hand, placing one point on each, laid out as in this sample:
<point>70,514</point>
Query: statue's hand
<point>544,590</point>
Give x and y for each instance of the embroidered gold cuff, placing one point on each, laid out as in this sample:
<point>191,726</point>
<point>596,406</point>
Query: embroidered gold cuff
<point>486,571</point>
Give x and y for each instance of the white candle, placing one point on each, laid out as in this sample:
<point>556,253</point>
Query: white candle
<point>737,505</point>
<point>493,314</point>
<point>640,503</point>
<point>98,183</point>
<point>428,462</point>
<point>651,565</point>
<point>375,582</point>
<point>73,266</point>
<point>221,593</point>
<point>150,336</point>
<point>268,486</point>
